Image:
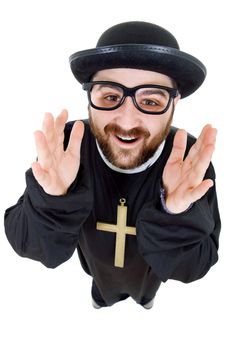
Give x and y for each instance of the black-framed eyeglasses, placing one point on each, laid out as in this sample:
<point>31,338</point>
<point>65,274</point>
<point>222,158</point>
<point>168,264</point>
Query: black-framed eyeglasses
<point>149,98</point>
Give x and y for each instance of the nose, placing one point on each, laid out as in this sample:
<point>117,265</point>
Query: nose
<point>127,114</point>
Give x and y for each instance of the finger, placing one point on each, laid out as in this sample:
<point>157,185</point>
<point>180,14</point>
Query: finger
<point>48,127</point>
<point>207,136</point>
<point>210,138</point>
<point>38,172</point>
<point>201,166</point>
<point>200,155</point>
<point>202,137</point>
<point>203,133</point>
<point>59,127</point>
<point>179,147</point>
<point>42,148</point>
<point>198,192</point>
<point>61,121</point>
<point>76,136</point>
<point>197,145</point>
<point>41,176</point>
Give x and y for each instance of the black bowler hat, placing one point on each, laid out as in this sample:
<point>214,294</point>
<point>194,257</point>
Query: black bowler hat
<point>140,45</point>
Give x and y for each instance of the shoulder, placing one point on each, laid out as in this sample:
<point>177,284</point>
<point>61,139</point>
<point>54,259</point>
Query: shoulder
<point>169,141</point>
<point>190,139</point>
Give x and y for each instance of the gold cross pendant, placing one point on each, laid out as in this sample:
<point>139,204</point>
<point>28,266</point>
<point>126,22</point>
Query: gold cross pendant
<point>121,230</point>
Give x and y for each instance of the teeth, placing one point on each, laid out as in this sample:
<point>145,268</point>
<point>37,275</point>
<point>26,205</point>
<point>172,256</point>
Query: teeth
<point>126,138</point>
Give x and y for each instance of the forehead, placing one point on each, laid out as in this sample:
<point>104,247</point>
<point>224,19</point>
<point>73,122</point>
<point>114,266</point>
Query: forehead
<point>133,77</point>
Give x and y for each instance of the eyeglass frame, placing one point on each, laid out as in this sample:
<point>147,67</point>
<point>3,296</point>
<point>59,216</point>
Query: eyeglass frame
<point>173,92</point>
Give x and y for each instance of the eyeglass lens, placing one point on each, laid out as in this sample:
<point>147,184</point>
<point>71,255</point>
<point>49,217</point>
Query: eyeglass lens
<point>149,99</point>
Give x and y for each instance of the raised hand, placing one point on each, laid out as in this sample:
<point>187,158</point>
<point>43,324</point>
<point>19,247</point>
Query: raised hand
<point>56,169</point>
<point>183,178</point>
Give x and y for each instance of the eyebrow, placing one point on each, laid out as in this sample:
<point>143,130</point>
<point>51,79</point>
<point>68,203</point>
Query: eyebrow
<point>101,86</point>
<point>154,91</point>
<point>148,90</point>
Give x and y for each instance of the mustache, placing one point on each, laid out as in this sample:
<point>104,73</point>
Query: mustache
<point>134,132</point>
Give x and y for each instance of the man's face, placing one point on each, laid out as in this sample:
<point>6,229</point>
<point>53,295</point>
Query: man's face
<point>128,137</point>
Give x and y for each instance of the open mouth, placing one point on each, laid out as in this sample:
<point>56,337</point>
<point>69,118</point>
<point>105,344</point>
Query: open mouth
<point>126,139</point>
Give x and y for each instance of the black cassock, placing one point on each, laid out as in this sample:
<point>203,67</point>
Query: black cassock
<point>181,246</point>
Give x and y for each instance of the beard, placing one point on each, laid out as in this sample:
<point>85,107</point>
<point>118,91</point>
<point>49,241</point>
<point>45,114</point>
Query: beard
<point>128,158</point>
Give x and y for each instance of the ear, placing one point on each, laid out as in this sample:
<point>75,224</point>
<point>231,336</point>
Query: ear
<point>176,99</point>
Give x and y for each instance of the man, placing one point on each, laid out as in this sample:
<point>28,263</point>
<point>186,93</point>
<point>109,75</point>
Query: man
<point>135,196</point>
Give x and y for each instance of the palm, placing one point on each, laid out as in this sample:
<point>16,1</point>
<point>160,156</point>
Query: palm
<point>183,178</point>
<point>56,169</point>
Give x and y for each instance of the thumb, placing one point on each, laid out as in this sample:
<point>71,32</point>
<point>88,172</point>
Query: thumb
<point>38,173</point>
<point>198,192</point>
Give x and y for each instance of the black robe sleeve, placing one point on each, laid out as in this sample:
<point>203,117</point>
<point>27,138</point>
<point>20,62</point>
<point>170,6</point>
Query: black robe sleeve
<point>180,246</point>
<point>44,227</point>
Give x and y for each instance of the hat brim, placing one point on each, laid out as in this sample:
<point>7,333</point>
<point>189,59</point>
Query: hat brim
<point>187,71</point>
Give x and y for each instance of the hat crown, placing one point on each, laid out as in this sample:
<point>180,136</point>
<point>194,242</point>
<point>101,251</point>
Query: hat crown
<point>140,45</point>
<point>137,32</point>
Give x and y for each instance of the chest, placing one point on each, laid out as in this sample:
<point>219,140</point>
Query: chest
<point>110,231</point>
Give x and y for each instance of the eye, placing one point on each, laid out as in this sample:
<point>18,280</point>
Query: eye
<point>112,98</point>
<point>147,102</point>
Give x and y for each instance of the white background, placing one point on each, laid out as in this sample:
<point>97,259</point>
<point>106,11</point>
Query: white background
<point>51,309</point>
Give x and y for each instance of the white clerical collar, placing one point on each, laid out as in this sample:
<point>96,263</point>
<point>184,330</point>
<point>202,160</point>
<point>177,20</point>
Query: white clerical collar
<point>139,169</point>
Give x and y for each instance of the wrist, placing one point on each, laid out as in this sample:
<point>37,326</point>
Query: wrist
<point>58,193</point>
<point>169,206</point>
